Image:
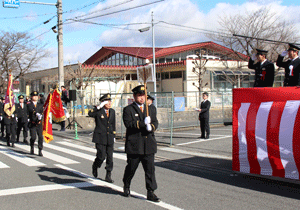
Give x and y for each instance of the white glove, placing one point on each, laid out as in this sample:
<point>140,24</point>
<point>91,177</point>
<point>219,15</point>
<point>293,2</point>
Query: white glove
<point>147,120</point>
<point>253,57</point>
<point>16,119</point>
<point>102,104</point>
<point>149,127</point>
<point>39,116</point>
<point>284,53</point>
<point>1,118</point>
<point>28,120</point>
<point>114,139</point>
<point>12,115</point>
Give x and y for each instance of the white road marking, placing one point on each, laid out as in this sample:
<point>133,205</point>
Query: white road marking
<point>203,140</point>
<point>20,157</point>
<point>117,188</point>
<point>199,154</point>
<point>89,149</point>
<point>51,156</point>
<point>192,134</point>
<point>71,152</point>
<point>3,165</point>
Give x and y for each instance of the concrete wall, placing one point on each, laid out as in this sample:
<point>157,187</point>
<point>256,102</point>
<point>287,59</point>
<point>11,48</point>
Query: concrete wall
<point>169,85</point>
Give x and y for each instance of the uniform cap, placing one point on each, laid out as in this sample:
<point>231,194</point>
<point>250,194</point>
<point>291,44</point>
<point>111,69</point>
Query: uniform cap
<point>34,93</point>
<point>293,47</point>
<point>105,97</point>
<point>20,97</point>
<point>261,52</point>
<point>150,97</point>
<point>139,89</point>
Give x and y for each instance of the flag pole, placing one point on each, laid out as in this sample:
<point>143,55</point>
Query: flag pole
<point>145,85</point>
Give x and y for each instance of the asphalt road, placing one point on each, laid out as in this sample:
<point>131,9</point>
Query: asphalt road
<point>192,174</point>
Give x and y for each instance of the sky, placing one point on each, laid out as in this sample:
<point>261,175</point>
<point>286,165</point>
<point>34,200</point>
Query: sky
<point>81,40</point>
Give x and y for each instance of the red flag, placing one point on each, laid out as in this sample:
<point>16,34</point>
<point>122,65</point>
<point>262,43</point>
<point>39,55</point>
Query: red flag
<point>53,109</point>
<point>9,104</point>
<point>266,131</point>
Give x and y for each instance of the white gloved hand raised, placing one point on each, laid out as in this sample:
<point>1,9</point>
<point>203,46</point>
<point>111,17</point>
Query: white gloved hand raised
<point>102,104</point>
<point>0,118</point>
<point>284,53</point>
<point>39,116</point>
<point>147,120</point>
<point>253,57</point>
<point>149,127</point>
<point>16,119</point>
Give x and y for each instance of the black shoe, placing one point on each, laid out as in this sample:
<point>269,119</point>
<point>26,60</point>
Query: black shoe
<point>152,197</point>
<point>8,144</point>
<point>207,137</point>
<point>17,140</point>
<point>25,141</point>
<point>108,177</point>
<point>40,153</point>
<point>32,150</point>
<point>94,170</point>
<point>13,145</point>
<point>126,191</point>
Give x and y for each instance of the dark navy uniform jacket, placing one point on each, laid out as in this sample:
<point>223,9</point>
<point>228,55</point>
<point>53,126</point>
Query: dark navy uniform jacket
<point>292,71</point>
<point>138,139</point>
<point>204,106</point>
<point>105,129</point>
<point>22,113</point>
<point>32,111</point>
<point>264,74</point>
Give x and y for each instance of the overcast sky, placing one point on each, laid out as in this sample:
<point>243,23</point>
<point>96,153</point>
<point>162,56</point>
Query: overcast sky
<point>81,40</point>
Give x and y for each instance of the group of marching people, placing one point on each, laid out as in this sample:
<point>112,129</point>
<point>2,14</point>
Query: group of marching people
<point>265,70</point>
<point>23,115</point>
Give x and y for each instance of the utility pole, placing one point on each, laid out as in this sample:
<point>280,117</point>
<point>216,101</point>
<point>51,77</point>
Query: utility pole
<point>60,44</point>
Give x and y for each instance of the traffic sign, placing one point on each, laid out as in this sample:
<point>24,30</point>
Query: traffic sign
<point>11,3</point>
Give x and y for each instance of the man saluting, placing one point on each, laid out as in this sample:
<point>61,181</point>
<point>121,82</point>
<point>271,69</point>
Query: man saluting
<point>104,135</point>
<point>264,69</point>
<point>140,145</point>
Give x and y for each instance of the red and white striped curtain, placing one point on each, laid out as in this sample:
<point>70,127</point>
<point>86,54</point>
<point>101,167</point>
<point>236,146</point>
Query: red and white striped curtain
<point>266,131</point>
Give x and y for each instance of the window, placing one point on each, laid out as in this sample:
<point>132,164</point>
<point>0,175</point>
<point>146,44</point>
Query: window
<point>165,75</point>
<point>126,60</point>
<point>176,74</point>
<point>134,77</point>
<point>161,60</point>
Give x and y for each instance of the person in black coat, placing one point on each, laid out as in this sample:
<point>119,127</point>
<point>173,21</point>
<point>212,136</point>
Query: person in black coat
<point>204,116</point>
<point>10,127</point>
<point>150,100</point>
<point>65,100</point>
<point>291,66</point>
<point>42,99</point>
<point>35,115</point>
<point>104,135</point>
<point>140,144</point>
<point>21,109</point>
<point>264,69</point>
<point>1,116</point>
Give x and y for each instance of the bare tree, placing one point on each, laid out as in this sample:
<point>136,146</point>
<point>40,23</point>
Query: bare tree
<point>20,53</point>
<point>200,70</point>
<point>261,24</point>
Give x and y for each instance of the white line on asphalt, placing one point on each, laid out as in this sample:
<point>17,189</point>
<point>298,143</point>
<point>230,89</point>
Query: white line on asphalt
<point>71,152</point>
<point>200,154</point>
<point>194,134</point>
<point>192,142</point>
<point>3,165</point>
<point>89,149</point>
<point>51,156</point>
<point>20,157</point>
<point>115,187</point>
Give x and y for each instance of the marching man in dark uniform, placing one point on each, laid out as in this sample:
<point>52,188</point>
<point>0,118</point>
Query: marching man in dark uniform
<point>35,115</point>
<point>10,123</point>
<point>204,116</point>
<point>140,145</point>
<point>21,109</point>
<point>264,69</point>
<point>104,136</point>
<point>291,66</point>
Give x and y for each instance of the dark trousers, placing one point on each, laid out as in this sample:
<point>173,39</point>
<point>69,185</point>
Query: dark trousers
<point>10,130</point>
<point>39,131</point>
<point>104,151</point>
<point>204,126</point>
<point>148,165</point>
<point>21,125</point>
<point>2,127</point>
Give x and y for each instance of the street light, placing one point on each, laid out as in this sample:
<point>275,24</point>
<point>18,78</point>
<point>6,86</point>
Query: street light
<point>153,47</point>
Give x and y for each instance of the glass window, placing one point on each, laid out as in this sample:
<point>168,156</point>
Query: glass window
<point>165,75</point>
<point>168,60</point>
<point>126,60</point>
<point>121,59</point>
<point>176,74</point>
<point>117,62</point>
<point>134,77</point>
<point>117,56</point>
<point>128,77</point>
<point>130,61</point>
<point>135,61</point>
<point>140,61</point>
<point>161,60</point>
